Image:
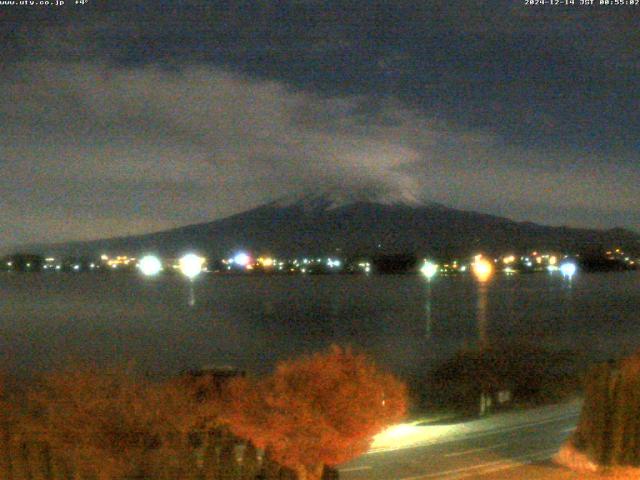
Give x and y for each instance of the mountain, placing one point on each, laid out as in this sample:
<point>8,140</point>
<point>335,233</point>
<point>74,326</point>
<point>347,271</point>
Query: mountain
<point>360,223</point>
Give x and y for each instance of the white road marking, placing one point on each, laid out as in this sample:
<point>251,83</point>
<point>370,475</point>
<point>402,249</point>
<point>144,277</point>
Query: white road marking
<point>567,430</point>
<point>474,450</point>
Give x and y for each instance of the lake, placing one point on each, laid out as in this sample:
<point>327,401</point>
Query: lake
<point>406,323</point>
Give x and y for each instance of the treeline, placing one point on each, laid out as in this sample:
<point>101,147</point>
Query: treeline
<point>86,423</point>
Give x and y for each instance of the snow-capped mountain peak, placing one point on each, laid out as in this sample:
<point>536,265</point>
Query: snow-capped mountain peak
<point>329,199</point>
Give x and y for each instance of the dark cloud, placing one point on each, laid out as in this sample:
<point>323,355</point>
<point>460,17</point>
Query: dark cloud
<point>147,115</point>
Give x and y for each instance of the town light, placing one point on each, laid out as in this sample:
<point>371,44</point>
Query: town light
<point>482,268</point>
<point>191,265</point>
<point>266,262</point>
<point>509,259</point>
<point>568,269</point>
<point>429,269</point>
<point>242,259</point>
<point>331,263</point>
<point>150,265</point>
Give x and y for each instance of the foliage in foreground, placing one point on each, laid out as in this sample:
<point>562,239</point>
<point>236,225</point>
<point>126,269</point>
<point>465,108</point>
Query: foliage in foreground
<point>86,423</point>
<point>320,409</point>
<point>609,428</point>
<point>113,424</point>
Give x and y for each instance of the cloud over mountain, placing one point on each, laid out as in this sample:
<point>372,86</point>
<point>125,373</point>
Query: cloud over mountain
<point>128,119</point>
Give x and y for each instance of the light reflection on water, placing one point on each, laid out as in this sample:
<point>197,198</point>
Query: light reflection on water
<point>482,314</point>
<point>428,318</point>
<point>404,321</point>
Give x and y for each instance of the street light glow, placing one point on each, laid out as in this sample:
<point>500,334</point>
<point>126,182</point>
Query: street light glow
<point>190,265</point>
<point>266,262</point>
<point>150,265</point>
<point>331,263</point>
<point>568,269</point>
<point>429,269</point>
<point>242,259</point>
<point>482,268</point>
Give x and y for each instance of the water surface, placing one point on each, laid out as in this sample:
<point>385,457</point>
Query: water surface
<point>252,321</point>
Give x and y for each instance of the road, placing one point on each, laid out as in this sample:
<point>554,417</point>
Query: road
<point>499,446</point>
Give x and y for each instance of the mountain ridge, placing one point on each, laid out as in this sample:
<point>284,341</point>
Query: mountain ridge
<point>360,223</point>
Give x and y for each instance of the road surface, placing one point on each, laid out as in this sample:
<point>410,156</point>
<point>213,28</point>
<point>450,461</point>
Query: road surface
<point>499,446</point>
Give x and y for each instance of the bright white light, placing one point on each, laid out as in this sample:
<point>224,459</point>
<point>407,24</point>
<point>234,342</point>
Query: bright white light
<point>242,259</point>
<point>191,265</point>
<point>568,269</point>
<point>429,269</point>
<point>333,263</point>
<point>150,265</point>
<point>76,267</point>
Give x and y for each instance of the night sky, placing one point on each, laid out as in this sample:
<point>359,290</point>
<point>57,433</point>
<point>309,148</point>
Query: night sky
<point>126,119</point>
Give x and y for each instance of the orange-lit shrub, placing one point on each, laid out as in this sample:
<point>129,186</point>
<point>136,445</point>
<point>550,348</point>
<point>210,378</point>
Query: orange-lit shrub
<point>111,424</point>
<point>319,409</point>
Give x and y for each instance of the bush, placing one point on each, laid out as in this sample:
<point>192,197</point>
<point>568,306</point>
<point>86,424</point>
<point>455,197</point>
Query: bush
<point>88,423</point>
<point>531,374</point>
<point>110,424</point>
<point>316,410</point>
